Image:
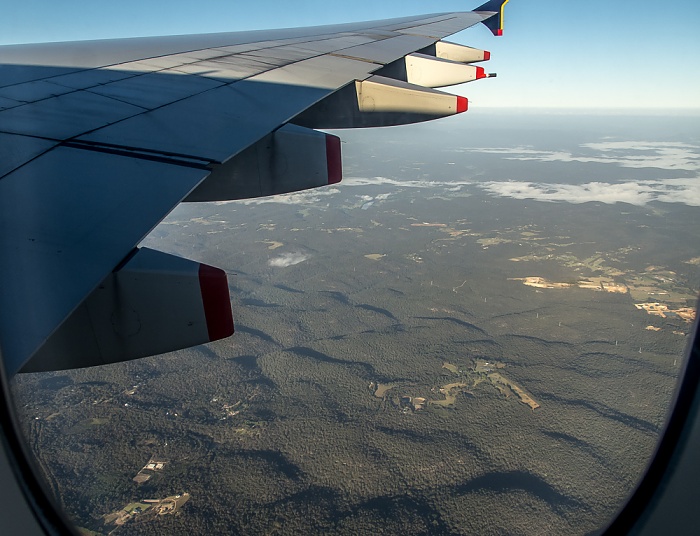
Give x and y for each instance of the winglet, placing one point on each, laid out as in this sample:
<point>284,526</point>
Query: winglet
<point>495,22</point>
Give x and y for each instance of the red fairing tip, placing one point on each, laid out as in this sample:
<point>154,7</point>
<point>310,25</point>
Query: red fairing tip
<point>462,104</point>
<point>480,73</point>
<point>334,159</point>
<point>217,304</point>
<point>498,33</point>
<point>487,55</point>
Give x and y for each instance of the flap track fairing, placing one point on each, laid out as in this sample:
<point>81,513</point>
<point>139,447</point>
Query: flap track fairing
<point>429,71</point>
<point>454,52</point>
<point>290,159</point>
<point>154,303</point>
<point>380,101</point>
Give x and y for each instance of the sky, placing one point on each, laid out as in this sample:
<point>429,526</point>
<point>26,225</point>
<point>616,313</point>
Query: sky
<point>558,54</point>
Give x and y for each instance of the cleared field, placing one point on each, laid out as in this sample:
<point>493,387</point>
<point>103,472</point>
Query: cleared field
<point>450,393</point>
<point>449,366</point>
<point>500,381</point>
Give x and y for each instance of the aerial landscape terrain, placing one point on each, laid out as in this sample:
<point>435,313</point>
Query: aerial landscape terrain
<point>479,331</point>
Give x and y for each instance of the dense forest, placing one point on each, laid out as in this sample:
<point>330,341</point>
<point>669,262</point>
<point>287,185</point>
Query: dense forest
<point>385,350</point>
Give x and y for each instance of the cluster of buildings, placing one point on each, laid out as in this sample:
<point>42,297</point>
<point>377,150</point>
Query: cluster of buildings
<point>148,470</point>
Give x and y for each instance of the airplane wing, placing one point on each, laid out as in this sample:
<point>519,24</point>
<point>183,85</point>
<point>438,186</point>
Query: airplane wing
<point>100,140</point>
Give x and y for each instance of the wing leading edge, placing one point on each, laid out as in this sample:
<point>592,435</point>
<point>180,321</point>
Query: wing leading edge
<point>100,141</point>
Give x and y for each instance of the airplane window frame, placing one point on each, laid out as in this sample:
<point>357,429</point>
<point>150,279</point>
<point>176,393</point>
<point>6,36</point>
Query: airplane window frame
<point>674,440</point>
<point>48,517</point>
<point>631,517</point>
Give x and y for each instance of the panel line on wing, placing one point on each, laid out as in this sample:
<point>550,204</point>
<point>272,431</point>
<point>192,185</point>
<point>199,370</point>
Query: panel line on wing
<point>176,160</point>
<point>17,150</point>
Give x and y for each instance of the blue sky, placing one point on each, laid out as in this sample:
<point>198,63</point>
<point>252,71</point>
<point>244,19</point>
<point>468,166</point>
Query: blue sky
<point>555,53</point>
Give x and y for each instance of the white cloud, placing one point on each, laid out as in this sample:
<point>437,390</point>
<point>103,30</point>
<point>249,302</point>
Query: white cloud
<point>640,193</point>
<point>384,181</point>
<point>288,259</point>
<point>629,154</point>
<point>305,197</point>
<point>639,145</point>
<point>317,196</point>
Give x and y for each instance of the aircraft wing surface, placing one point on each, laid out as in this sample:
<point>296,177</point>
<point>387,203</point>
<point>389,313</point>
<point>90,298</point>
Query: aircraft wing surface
<point>100,140</point>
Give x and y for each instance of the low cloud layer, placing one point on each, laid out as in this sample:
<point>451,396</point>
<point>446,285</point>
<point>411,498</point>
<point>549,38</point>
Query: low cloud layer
<point>628,154</point>
<point>313,196</point>
<point>384,181</point>
<point>640,193</point>
<point>288,259</point>
<point>320,197</point>
<point>672,156</point>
